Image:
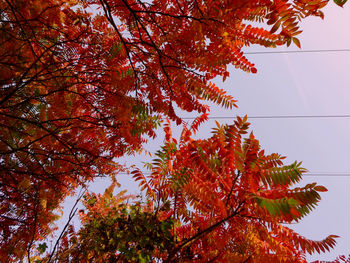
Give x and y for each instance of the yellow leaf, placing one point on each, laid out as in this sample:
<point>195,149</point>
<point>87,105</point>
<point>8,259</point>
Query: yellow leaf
<point>43,203</point>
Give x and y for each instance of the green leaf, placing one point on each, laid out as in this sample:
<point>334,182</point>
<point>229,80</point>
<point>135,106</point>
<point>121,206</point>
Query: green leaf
<point>114,50</point>
<point>292,202</point>
<point>42,248</point>
<point>144,258</point>
<point>340,2</point>
<point>269,207</point>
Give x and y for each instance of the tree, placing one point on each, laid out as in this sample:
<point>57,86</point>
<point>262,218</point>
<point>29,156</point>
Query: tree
<point>62,118</point>
<point>220,199</point>
<point>79,89</point>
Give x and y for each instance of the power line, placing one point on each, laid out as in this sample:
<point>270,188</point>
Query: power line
<point>275,117</point>
<point>297,51</point>
<point>328,174</point>
<point>308,174</point>
<point>313,174</point>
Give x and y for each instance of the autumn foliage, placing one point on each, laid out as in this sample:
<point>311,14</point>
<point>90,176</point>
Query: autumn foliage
<point>219,199</point>
<point>84,82</point>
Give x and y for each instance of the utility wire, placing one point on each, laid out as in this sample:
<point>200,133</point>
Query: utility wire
<point>308,174</point>
<point>327,174</point>
<point>275,117</point>
<point>320,174</point>
<point>296,51</point>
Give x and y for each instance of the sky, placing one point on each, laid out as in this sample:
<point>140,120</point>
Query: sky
<point>307,84</point>
<point>299,84</point>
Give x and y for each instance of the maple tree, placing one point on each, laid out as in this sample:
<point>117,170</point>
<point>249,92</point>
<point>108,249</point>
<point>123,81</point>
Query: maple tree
<point>219,199</point>
<point>79,89</point>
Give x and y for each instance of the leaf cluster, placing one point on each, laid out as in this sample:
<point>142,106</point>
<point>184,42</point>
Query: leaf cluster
<point>217,199</point>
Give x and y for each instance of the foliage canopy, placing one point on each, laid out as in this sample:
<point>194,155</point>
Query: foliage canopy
<point>80,88</point>
<point>219,199</point>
